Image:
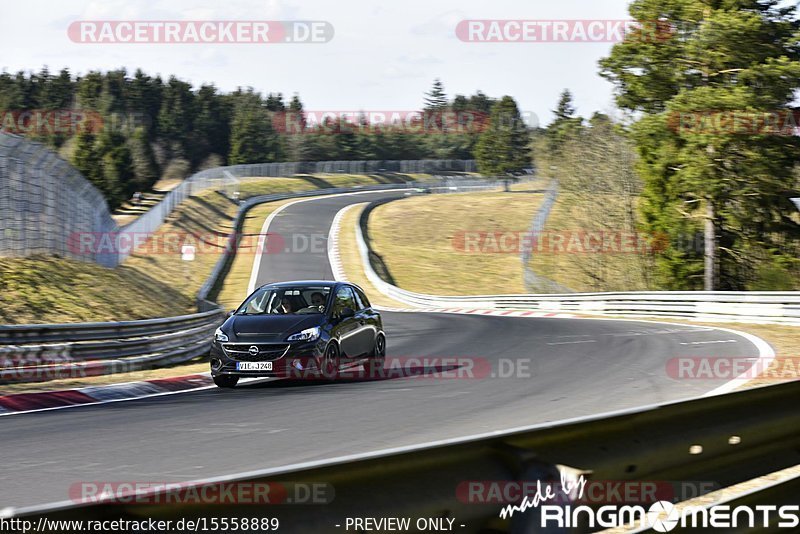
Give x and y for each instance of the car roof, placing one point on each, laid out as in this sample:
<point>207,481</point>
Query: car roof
<point>302,283</point>
<point>313,283</point>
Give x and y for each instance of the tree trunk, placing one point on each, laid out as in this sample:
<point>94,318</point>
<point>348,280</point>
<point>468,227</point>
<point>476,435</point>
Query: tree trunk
<point>710,279</point>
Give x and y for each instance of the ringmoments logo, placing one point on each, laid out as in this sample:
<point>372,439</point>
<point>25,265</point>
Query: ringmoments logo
<point>661,516</point>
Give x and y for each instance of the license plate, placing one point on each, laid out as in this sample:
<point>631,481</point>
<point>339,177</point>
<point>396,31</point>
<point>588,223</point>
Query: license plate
<point>254,366</point>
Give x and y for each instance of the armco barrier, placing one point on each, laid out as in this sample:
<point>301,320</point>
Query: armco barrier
<point>221,176</point>
<point>30,353</point>
<point>722,440</point>
<point>99,348</point>
<point>768,307</point>
<point>434,186</point>
<point>35,353</point>
<point>45,202</point>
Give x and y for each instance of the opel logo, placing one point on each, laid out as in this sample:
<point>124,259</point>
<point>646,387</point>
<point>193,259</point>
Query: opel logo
<point>253,351</point>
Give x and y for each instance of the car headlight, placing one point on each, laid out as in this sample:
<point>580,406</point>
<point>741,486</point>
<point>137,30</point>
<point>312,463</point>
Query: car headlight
<point>219,335</point>
<point>309,334</point>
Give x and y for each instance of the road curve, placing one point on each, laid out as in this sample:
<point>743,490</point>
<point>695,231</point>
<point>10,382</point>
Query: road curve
<point>565,368</point>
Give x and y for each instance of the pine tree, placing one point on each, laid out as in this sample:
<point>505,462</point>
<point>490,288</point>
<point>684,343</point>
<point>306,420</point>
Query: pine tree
<point>253,139</point>
<point>117,171</point>
<point>436,99</point>
<point>176,117</point>
<point>275,102</point>
<point>565,125</point>
<point>85,158</point>
<point>731,185</point>
<point>89,90</point>
<point>145,168</point>
<point>211,132</point>
<point>503,147</point>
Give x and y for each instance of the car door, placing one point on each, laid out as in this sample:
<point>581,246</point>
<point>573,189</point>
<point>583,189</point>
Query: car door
<point>346,329</point>
<point>367,320</point>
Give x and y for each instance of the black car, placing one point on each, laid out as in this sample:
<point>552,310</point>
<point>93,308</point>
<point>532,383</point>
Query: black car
<point>299,329</point>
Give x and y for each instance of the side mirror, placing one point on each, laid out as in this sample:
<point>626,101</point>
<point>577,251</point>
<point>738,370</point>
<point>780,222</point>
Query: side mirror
<point>346,312</point>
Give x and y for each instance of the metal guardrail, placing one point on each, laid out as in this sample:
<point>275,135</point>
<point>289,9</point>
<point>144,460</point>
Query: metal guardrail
<point>222,266</point>
<point>35,353</point>
<point>31,353</point>
<point>724,440</point>
<point>66,332</point>
<point>768,307</point>
<point>767,494</point>
<point>46,205</point>
<point>222,176</point>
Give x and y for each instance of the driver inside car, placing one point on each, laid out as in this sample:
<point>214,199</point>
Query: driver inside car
<point>317,299</point>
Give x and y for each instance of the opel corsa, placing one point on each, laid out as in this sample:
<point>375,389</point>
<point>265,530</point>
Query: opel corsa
<point>308,328</point>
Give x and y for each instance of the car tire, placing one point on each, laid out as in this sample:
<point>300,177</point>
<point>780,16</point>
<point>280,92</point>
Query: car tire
<point>226,381</point>
<point>329,367</point>
<point>375,365</point>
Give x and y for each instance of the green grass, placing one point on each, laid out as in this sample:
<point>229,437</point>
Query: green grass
<point>418,238</point>
<point>351,259</point>
<point>53,290</point>
<point>580,269</point>
<point>154,281</point>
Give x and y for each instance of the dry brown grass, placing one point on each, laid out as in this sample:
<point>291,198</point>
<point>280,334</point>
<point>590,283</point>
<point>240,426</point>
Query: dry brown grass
<point>154,281</point>
<point>351,259</point>
<point>577,267</point>
<point>191,368</point>
<point>419,238</point>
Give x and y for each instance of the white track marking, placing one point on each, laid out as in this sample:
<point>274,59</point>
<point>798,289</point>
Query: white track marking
<point>765,350</point>
<point>765,358</point>
<point>265,228</point>
<point>712,342</point>
<point>334,256</point>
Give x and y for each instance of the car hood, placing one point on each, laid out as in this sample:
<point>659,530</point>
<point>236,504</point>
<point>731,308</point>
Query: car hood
<point>268,327</point>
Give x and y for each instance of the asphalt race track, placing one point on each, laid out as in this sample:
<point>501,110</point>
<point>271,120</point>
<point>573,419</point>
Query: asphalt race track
<point>572,367</point>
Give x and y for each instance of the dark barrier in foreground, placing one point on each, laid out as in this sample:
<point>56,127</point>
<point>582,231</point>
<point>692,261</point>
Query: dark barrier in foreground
<point>726,439</point>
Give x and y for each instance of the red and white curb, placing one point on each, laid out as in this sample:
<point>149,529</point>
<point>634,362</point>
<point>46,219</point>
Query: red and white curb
<point>337,266</point>
<point>53,400</point>
<point>471,311</point>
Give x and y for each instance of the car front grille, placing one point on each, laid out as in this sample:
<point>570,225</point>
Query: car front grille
<point>266,351</point>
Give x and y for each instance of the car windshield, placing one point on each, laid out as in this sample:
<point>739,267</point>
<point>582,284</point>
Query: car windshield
<point>286,301</point>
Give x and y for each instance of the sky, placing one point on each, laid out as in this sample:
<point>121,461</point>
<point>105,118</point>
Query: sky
<point>383,56</point>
